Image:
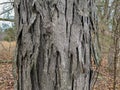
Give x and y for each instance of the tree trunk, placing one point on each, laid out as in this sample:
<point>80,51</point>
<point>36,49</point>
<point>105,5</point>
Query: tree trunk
<point>54,44</point>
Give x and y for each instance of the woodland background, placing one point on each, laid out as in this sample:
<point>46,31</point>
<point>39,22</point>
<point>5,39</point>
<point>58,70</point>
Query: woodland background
<point>108,12</point>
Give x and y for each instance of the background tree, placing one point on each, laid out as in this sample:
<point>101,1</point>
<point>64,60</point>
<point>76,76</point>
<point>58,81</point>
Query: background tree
<point>55,44</point>
<point>109,27</point>
<point>116,38</point>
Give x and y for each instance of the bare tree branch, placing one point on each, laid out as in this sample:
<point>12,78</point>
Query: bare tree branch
<point>4,19</point>
<point>6,3</point>
<point>5,11</point>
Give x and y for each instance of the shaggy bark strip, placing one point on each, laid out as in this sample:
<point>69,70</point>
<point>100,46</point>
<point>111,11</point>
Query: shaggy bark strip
<point>54,44</point>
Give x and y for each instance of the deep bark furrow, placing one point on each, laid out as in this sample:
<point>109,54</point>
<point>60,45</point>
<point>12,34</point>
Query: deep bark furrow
<point>72,88</point>
<point>71,65</point>
<point>66,19</point>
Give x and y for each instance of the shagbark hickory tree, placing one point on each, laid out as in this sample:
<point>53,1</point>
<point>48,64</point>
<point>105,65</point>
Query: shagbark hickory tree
<point>54,44</point>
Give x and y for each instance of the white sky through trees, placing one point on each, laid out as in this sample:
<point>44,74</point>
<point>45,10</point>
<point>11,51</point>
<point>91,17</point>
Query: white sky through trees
<point>1,10</point>
<point>1,6</point>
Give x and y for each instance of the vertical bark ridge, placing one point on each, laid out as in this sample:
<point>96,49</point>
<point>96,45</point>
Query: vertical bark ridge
<point>70,26</point>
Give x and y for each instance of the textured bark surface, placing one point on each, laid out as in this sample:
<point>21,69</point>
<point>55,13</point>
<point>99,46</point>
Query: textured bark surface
<point>54,44</point>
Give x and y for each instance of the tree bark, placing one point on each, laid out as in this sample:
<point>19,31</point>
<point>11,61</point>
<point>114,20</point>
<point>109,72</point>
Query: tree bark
<point>54,44</point>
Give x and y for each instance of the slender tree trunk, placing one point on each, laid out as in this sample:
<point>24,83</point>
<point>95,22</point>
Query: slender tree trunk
<point>116,38</point>
<point>54,44</point>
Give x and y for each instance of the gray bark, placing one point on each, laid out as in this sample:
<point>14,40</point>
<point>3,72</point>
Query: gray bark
<point>54,44</point>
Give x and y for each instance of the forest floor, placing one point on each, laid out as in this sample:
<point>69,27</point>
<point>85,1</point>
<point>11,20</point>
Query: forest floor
<point>104,79</point>
<point>6,77</point>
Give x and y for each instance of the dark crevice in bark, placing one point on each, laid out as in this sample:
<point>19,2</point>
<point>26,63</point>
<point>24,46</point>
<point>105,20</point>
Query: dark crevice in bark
<point>69,37</point>
<point>90,78</point>
<point>67,28</point>
<point>71,64</point>
<point>18,38</point>
<point>32,78</point>
<point>82,20</point>
<point>22,21</point>
<point>31,31</point>
<point>72,88</point>
<point>40,66</point>
<point>18,87</point>
<point>83,46</point>
<point>49,61</point>
<point>52,46</point>
<point>18,63</point>
<point>78,61</point>
<point>21,65</point>
<point>78,1</point>
<point>66,9</point>
<point>82,69</point>
<point>94,17</point>
<point>87,20</point>
<point>56,80</point>
<point>18,10</point>
<point>83,40</point>
<point>89,4</point>
<point>33,49</point>
<point>58,62</point>
<point>85,56</point>
<point>66,17</point>
<point>57,72</point>
<point>92,24</point>
<point>90,51</point>
<point>90,45</point>
<point>49,53</point>
<point>34,8</point>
